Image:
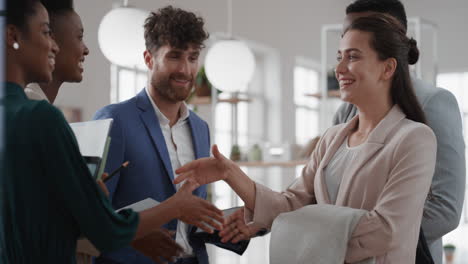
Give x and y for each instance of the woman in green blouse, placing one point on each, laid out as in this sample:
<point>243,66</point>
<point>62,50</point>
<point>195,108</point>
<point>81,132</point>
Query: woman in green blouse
<point>49,197</point>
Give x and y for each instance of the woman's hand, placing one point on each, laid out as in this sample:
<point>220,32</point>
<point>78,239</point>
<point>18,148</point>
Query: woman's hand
<point>206,170</point>
<point>157,245</point>
<point>102,185</point>
<point>195,211</point>
<point>235,229</point>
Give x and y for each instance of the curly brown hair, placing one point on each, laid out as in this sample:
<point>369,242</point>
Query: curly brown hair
<point>175,27</point>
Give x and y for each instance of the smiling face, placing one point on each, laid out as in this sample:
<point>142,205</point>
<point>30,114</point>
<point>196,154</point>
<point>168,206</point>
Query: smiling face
<point>172,71</point>
<point>37,49</point>
<point>68,32</point>
<point>360,73</point>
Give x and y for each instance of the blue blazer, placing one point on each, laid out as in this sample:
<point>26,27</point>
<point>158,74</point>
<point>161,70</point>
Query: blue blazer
<point>136,136</point>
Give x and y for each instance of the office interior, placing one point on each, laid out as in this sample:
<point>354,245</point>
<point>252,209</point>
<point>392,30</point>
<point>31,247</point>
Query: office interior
<point>287,101</point>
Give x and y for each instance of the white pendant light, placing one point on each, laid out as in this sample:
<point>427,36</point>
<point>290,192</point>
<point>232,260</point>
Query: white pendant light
<point>230,64</point>
<point>121,36</point>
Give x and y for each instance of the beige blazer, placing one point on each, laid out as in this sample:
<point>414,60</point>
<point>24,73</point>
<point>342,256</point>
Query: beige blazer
<point>391,181</point>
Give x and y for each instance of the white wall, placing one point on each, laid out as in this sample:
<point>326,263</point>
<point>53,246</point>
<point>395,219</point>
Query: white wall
<point>291,27</point>
<point>452,19</point>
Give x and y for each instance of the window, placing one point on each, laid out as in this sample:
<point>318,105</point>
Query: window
<point>224,124</point>
<point>126,83</point>
<point>306,82</point>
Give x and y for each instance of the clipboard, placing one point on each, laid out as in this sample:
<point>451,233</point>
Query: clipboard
<point>141,205</point>
<point>94,141</point>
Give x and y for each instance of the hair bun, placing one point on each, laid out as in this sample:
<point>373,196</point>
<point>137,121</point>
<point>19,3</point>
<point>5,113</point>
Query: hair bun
<point>413,52</point>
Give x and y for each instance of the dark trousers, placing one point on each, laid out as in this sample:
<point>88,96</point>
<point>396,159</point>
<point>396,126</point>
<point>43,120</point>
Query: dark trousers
<point>187,261</point>
<point>180,261</point>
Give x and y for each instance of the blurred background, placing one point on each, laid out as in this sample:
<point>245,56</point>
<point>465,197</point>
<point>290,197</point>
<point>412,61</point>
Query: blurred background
<point>269,123</point>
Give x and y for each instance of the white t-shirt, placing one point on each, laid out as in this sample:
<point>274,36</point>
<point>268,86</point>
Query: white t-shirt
<point>34,92</point>
<point>338,166</point>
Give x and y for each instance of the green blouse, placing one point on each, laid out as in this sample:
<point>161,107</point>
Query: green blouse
<point>50,197</point>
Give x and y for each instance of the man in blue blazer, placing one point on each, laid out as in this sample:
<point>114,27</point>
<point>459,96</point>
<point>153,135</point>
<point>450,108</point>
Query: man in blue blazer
<point>156,131</point>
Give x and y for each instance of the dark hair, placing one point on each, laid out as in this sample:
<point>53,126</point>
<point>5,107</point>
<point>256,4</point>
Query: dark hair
<point>175,27</point>
<point>56,8</point>
<point>389,40</point>
<point>392,7</point>
<point>18,12</point>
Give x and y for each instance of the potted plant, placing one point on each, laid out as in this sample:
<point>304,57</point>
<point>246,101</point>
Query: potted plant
<point>449,251</point>
<point>202,84</point>
<point>235,153</point>
<point>255,153</point>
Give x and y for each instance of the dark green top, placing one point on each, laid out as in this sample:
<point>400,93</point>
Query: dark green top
<point>50,195</point>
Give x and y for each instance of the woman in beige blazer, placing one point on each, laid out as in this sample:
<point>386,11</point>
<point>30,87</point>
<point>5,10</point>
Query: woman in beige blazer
<point>390,170</point>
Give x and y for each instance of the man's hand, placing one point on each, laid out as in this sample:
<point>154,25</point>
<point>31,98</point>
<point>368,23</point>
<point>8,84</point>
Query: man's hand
<point>206,170</point>
<point>235,229</point>
<point>159,246</point>
<point>195,211</point>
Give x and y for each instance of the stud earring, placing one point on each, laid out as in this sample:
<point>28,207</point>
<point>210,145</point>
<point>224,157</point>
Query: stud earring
<point>16,45</point>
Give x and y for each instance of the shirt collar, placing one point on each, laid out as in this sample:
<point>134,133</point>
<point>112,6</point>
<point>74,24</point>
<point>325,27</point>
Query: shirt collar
<point>34,92</point>
<point>163,120</point>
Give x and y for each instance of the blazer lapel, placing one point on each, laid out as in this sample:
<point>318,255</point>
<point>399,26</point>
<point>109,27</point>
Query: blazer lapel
<point>151,122</point>
<point>375,141</point>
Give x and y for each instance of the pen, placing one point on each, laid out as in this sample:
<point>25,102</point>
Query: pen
<point>124,165</point>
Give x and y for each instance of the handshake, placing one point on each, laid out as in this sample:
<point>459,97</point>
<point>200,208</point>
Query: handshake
<point>160,245</point>
<point>202,214</point>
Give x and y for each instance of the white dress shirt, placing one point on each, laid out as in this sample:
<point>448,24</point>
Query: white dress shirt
<point>34,92</point>
<point>179,144</point>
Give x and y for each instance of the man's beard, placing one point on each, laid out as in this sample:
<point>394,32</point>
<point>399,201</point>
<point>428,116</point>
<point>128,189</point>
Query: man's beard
<point>173,94</point>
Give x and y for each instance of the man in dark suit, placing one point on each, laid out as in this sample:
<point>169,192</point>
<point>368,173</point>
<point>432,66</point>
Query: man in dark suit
<point>156,131</point>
